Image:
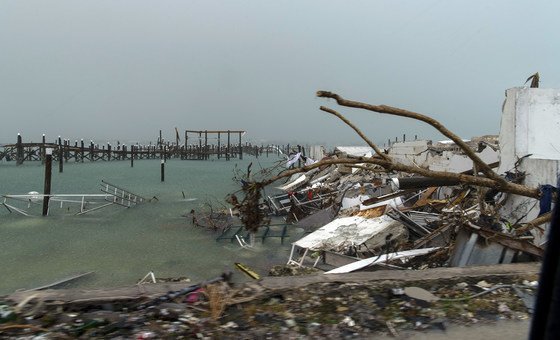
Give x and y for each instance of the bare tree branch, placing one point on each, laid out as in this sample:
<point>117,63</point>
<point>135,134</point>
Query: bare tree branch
<point>409,114</point>
<point>512,188</point>
<point>358,131</point>
<point>544,218</point>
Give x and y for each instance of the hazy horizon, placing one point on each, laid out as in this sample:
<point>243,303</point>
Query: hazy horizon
<point>123,70</point>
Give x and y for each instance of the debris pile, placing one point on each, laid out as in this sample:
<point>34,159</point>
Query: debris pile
<point>360,216</point>
<point>368,208</point>
<point>216,309</point>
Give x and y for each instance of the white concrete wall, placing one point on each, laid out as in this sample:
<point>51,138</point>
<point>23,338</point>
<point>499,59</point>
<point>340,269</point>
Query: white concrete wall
<point>415,153</point>
<point>530,125</point>
<point>410,153</point>
<point>453,162</point>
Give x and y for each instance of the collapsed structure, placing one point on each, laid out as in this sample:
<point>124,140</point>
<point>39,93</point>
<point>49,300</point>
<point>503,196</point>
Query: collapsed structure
<point>451,203</point>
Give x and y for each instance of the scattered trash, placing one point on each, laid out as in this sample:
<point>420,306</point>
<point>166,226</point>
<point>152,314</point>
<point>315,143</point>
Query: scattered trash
<point>420,294</point>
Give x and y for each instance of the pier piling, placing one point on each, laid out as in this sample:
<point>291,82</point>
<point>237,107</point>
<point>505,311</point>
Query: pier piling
<point>60,156</point>
<point>19,150</point>
<point>47,186</point>
<point>211,143</point>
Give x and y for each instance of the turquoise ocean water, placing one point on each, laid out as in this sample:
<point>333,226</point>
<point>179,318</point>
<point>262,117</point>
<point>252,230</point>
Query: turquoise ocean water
<point>122,245</point>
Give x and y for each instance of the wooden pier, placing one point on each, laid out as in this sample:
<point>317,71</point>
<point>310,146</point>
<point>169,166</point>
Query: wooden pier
<point>198,145</point>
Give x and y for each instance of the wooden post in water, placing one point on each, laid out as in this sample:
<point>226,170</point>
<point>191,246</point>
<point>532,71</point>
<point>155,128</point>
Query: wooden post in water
<point>219,146</point>
<point>240,147</point>
<point>205,144</point>
<point>228,146</point>
<point>91,151</point>
<point>47,186</point>
<point>132,156</point>
<point>43,149</point>
<point>66,145</point>
<point>160,142</point>
<point>108,151</point>
<point>19,150</point>
<point>60,156</point>
<point>82,150</point>
<point>199,145</point>
<point>162,170</point>
<point>186,145</point>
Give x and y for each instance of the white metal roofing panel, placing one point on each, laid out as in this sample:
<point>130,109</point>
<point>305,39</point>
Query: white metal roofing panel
<point>344,231</point>
<point>293,184</point>
<point>357,151</point>
<point>380,259</point>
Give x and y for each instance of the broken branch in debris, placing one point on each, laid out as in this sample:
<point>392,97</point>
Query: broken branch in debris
<point>512,188</point>
<point>544,218</point>
<point>414,115</point>
<point>492,180</point>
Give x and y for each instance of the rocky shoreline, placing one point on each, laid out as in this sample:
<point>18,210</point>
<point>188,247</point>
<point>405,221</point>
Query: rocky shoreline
<point>361,305</point>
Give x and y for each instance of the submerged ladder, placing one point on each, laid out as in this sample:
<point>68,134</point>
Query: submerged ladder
<point>120,196</point>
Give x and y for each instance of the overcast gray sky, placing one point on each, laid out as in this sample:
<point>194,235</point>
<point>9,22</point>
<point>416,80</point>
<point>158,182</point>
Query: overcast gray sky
<point>107,70</point>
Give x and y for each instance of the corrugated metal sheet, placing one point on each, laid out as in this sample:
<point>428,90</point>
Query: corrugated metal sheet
<point>422,218</point>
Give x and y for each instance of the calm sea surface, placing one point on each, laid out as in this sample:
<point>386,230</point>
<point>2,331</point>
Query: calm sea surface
<point>122,245</point>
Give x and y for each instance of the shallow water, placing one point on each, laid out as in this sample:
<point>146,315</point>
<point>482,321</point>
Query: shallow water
<point>122,245</point>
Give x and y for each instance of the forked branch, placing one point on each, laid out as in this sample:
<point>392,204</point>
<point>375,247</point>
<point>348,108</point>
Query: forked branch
<point>418,116</point>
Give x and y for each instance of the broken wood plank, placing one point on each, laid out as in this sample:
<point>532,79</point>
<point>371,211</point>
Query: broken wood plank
<point>432,274</point>
<point>60,282</point>
<point>508,240</point>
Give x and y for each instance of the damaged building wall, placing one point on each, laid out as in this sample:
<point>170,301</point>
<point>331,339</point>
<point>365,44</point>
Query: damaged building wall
<point>529,142</point>
<point>454,162</point>
<point>441,156</point>
<point>411,153</point>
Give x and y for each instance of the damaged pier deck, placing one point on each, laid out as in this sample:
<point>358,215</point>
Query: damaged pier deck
<point>197,145</point>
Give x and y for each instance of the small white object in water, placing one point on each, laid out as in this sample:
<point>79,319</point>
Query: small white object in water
<point>34,196</point>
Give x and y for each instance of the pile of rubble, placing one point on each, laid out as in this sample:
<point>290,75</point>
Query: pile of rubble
<point>484,201</point>
<point>358,216</point>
